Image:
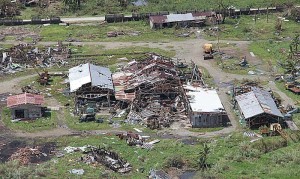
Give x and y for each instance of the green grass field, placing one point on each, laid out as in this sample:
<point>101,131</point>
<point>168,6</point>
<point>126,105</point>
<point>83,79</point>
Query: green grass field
<point>232,156</point>
<point>134,31</point>
<point>40,124</point>
<point>245,28</point>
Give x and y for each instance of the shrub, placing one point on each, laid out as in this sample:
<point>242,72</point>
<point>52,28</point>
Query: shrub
<point>175,161</point>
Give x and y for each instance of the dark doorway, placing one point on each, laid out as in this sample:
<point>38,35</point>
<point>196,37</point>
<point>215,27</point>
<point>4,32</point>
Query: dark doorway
<point>19,113</point>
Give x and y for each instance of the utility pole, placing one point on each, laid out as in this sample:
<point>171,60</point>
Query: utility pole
<point>218,36</point>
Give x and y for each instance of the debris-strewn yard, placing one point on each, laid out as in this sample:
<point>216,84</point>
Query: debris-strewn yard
<point>231,156</point>
<point>245,28</point>
<point>123,100</point>
<point>128,31</point>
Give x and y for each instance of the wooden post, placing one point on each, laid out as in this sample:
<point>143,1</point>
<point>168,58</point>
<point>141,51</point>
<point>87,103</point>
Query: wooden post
<point>267,14</point>
<point>255,17</point>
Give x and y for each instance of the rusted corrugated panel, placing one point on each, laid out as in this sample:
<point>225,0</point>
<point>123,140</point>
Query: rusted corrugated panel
<point>25,98</point>
<point>206,14</point>
<point>158,19</point>
<point>122,96</point>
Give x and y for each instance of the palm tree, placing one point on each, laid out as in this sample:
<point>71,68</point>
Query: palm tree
<point>72,4</point>
<point>295,43</point>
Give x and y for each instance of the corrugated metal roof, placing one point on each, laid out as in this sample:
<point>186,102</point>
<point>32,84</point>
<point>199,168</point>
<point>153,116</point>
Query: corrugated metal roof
<point>89,73</point>
<point>206,14</point>
<point>180,17</point>
<point>204,100</point>
<point>257,102</point>
<point>25,98</point>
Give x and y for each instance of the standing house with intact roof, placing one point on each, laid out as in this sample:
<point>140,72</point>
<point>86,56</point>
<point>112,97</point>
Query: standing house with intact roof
<point>196,19</point>
<point>25,106</point>
<point>258,108</point>
<point>206,107</point>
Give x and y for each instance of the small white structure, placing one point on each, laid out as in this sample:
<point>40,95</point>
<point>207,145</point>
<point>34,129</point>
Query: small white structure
<point>206,107</point>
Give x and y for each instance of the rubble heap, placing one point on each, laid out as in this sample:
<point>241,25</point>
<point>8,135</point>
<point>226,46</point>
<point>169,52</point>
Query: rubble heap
<point>29,55</point>
<point>108,158</point>
<point>155,89</point>
<point>27,155</point>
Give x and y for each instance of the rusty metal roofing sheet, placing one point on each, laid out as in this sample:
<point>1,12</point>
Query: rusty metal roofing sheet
<point>25,98</point>
<point>158,19</point>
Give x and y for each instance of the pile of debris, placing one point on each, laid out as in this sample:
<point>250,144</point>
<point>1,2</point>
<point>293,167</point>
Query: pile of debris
<point>27,155</point>
<point>29,89</point>
<point>154,89</point>
<point>133,139</point>
<point>108,158</point>
<point>118,33</point>
<point>29,55</point>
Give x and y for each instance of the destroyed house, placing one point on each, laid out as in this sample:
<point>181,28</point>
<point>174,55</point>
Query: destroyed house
<point>182,20</point>
<point>158,93</point>
<point>91,83</point>
<point>25,106</point>
<point>258,108</point>
<point>206,107</point>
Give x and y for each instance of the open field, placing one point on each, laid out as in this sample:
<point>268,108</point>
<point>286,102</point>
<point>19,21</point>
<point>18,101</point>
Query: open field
<point>245,28</point>
<point>134,31</point>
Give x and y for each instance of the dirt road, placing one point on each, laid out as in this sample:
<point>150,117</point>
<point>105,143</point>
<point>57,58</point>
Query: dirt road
<point>11,86</point>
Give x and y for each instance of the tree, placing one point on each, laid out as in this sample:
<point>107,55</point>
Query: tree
<point>291,67</point>
<point>8,9</point>
<point>224,6</point>
<point>203,157</point>
<point>295,13</point>
<point>295,43</point>
<point>292,62</point>
<point>278,25</point>
<point>72,5</point>
<point>123,3</point>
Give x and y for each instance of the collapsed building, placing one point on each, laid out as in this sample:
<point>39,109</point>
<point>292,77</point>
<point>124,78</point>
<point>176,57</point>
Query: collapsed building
<point>25,106</point>
<point>257,107</point>
<point>92,86</point>
<point>152,90</point>
<point>156,91</point>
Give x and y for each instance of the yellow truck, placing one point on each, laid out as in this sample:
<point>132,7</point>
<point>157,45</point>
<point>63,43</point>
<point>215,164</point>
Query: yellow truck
<point>208,50</point>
